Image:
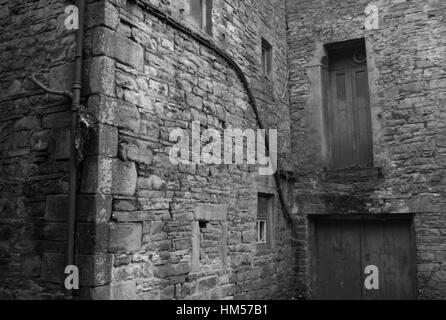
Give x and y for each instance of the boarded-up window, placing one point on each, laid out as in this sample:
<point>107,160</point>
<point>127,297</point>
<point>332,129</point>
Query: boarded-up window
<point>267,57</point>
<point>264,220</point>
<point>348,116</point>
<point>201,13</point>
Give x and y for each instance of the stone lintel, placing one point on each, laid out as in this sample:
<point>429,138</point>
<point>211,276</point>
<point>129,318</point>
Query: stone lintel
<point>211,212</point>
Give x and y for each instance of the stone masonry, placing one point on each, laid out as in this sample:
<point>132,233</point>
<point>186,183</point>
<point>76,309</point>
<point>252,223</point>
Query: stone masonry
<point>407,79</point>
<point>146,229</point>
<point>149,229</point>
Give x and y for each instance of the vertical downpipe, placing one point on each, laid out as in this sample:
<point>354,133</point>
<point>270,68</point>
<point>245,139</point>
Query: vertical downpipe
<point>77,90</point>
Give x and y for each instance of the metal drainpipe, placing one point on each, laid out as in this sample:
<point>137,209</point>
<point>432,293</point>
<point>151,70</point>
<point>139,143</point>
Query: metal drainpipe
<point>163,16</point>
<point>75,107</point>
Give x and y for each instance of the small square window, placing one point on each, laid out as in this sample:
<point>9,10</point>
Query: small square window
<point>201,13</point>
<point>267,57</point>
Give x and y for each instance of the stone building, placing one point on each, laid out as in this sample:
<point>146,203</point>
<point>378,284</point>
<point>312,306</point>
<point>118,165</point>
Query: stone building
<point>358,100</point>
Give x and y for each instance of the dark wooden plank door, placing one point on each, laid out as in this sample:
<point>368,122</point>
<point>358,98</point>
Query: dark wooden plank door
<point>337,261</point>
<point>361,113</point>
<point>389,246</point>
<point>349,111</point>
<point>342,249</point>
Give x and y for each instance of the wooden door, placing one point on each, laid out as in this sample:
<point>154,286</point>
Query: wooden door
<point>350,131</point>
<point>342,249</point>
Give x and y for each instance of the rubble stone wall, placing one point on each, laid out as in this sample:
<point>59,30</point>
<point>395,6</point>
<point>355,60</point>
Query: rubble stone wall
<point>407,80</point>
<point>180,231</point>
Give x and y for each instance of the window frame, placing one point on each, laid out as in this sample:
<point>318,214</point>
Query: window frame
<point>267,219</point>
<point>262,234</point>
<point>334,60</point>
<point>202,18</point>
<point>267,58</point>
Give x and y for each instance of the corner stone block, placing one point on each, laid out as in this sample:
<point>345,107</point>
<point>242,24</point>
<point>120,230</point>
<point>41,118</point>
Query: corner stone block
<point>125,237</point>
<point>97,293</point>
<point>92,238</point>
<point>115,112</point>
<point>124,178</point>
<point>101,76</point>
<point>103,142</point>
<point>129,52</point>
<point>103,108</point>
<point>109,43</point>
<point>102,12</point>
<point>95,270</point>
<point>94,208</point>
<point>97,175</point>
<point>211,212</point>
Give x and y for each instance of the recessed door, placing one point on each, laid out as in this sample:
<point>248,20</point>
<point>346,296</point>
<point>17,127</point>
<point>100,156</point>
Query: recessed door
<point>348,116</point>
<point>342,249</point>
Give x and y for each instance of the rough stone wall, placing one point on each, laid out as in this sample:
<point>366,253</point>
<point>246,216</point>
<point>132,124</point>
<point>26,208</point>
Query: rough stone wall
<point>34,146</point>
<point>407,79</point>
<point>141,231</point>
<point>158,80</point>
<point>33,134</point>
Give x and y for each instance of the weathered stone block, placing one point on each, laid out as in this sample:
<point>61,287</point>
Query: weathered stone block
<point>57,120</point>
<point>124,205</point>
<point>97,175</point>
<point>92,238</point>
<point>62,144</point>
<point>211,212</point>
<point>103,108</point>
<point>119,47</point>
<point>54,231</point>
<point>249,236</point>
<point>136,153</point>
<point>168,293</point>
<point>124,291</point>
<point>102,12</point>
<point>97,293</point>
<point>127,116</point>
<point>40,140</point>
<point>62,77</point>
<point>94,270</point>
<point>31,265</point>
<point>171,270</point>
<point>207,283</point>
<point>53,267</point>
<point>151,183</point>
<point>94,208</point>
<point>101,71</point>
<point>125,237</point>
<point>56,209</point>
<point>124,178</point>
<point>27,123</point>
<point>103,142</point>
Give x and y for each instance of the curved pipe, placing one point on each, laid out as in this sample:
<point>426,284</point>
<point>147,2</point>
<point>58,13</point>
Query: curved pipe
<point>67,94</point>
<point>211,46</point>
